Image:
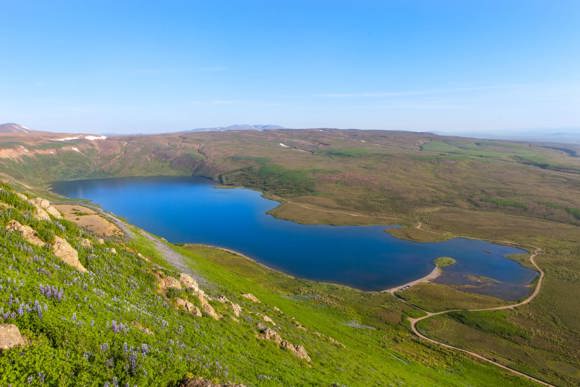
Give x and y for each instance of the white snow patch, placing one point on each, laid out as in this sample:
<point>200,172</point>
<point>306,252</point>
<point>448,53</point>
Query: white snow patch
<point>67,138</point>
<point>93,138</point>
<point>284,145</point>
<point>76,149</point>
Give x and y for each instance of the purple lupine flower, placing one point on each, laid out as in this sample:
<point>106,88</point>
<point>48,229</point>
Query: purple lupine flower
<point>38,308</point>
<point>144,349</point>
<point>104,347</point>
<point>132,363</point>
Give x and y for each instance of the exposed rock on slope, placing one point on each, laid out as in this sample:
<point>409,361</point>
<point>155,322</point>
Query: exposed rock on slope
<point>10,337</point>
<point>251,297</point>
<point>27,232</point>
<point>63,250</point>
<point>297,350</point>
<point>188,307</point>
<point>43,207</point>
<point>167,282</point>
<point>188,282</point>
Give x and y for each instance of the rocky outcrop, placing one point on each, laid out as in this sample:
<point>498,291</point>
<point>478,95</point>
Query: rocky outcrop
<point>188,307</point>
<point>206,307</point>
<point>167,282</point>
<point>270,334</point>
<point>10,337</point>
<point>86,243</point>
<point>268,320</point>
<point>63,250</point>
<point>27,232</point>
<point>251,297</point>
<point>236,309</point>
<point>188,282</point>
<point>44,209</point>
<point>299,351</point>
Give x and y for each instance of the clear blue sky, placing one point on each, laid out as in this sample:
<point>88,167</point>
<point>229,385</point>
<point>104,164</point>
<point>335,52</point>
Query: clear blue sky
<point>147,66</point>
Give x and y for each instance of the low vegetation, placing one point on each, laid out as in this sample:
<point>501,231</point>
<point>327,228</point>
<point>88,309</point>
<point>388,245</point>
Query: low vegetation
<point>130,320</point>
<point>444,261</point>
<point>434,187</point>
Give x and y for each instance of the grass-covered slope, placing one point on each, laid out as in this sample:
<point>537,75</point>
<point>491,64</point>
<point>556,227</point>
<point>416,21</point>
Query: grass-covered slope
<point>119,322</point>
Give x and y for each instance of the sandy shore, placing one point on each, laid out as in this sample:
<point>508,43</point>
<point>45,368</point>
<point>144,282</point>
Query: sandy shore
<point>429,277</point>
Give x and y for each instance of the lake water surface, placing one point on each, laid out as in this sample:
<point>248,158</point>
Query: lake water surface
<point>366,257</point>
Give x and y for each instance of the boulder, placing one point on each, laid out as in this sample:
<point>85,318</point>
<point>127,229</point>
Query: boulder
<point>27,232</point>
<point>143,257</point>
<point>86,243</point>
<point>237,309</point>
<point>188,282</point>
<point>40,212</point>
<point>44,205</point>
<point>188,307</point>
<point>297,350</point>
<point>208,310</point>
<point>270,334</point>
<point>10,337</point>
<point>63,250</point>
<point>168,282</point>
<point>268,320</point>
<point>251,297</point>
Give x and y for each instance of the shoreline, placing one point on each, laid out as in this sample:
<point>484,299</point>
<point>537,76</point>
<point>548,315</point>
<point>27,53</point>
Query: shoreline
<point>434,274</point>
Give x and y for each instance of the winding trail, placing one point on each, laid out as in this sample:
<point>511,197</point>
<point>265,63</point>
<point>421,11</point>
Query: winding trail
<point>178,261</point>
<point>415,321</point>
<point>173,257</point>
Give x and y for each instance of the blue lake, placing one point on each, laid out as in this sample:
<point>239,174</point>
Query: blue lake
<point>193,210</point>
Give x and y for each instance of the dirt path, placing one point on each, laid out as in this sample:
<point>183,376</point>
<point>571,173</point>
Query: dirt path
<point>415,321</point>
<point>174,258</point>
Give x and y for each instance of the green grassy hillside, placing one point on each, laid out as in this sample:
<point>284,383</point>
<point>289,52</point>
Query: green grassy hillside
<point>435,187</point>
<point>115,323</point>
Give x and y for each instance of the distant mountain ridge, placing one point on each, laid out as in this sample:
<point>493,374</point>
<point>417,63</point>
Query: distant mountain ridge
<point>11,127</point>
<point>239,127</point>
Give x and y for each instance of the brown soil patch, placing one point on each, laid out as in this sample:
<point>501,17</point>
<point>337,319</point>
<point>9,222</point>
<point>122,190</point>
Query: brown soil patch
<point>88,219</point>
